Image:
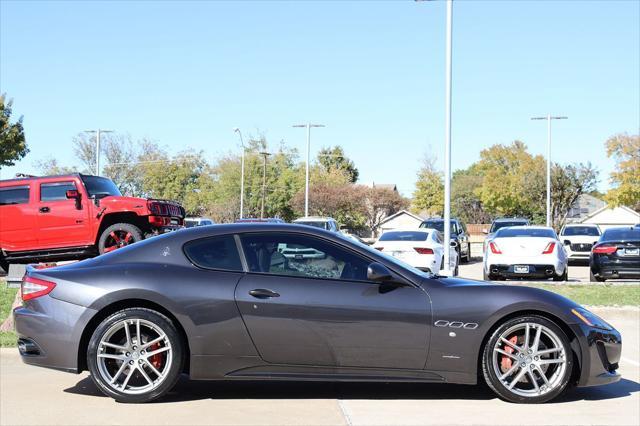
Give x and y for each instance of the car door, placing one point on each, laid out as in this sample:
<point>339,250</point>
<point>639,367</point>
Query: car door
<point>17,218</point>
<point>60,222</point>
<point>315,307</point>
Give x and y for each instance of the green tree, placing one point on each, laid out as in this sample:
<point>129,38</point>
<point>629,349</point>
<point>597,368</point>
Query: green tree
<point>13,146</point>
<point>333,158</point>
<point>465,203</point>
<point>625,150</point>
<point>428,197</point>
<point>567,184</point>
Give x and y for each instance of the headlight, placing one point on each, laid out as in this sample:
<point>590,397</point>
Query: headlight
<point>591,319</point>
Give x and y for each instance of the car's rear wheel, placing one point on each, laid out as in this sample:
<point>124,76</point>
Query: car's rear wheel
<point>564,276</point>
<point>135,355</point>
<point>528,359</point>
<point>4,265</point>
<point>118,235</point>
<point>594,278</point>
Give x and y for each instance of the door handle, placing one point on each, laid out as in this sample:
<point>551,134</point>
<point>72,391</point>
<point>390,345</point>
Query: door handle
<point>263,293</point>
<point>44,209</point>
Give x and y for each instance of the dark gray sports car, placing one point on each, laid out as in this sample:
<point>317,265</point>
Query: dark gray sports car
<point>224,302</point>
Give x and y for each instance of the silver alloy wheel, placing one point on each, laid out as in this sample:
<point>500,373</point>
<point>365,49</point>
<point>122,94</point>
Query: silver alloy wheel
<point>134,356</point>
<point>537,361</point>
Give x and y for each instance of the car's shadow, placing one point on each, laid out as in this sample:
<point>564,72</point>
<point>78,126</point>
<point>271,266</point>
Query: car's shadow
<point>191,390</point>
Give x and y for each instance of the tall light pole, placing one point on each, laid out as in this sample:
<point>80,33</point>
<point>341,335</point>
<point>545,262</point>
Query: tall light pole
<point>237,130</point>
<point>306,184</point>
<point>549,117</point>
<point>447,147</point>
<point>264,180</point>
<point>98,132</point>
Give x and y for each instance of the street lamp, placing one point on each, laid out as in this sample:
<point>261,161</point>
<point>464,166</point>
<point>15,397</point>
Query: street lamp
<point>237,130</point>
<point>306,184</point>
<point>549,117</point>
<point>447,149</point>
<point>98,132</point>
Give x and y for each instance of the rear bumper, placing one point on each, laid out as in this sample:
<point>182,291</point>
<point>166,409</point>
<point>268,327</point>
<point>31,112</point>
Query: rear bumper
<point>535,271</point>
<point>49,331</point>
<point>613,271</point>
<point>601,350</point>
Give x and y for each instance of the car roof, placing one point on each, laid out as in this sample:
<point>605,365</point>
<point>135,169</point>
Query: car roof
<point>30,178</point>
<point>407,229</point>
<point>591,225</point>
<point>325,218</point>
<point>439,219</point>
<point>511,219</point>
<point>527,227</point>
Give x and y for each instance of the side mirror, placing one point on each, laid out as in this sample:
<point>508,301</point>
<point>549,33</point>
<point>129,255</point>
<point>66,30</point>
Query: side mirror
<point>73,194</point>
<point>378,272</point>
<point>485,231</point>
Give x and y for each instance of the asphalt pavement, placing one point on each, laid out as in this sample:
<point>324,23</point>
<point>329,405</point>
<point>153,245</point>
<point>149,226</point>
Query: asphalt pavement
<point>36,396</point>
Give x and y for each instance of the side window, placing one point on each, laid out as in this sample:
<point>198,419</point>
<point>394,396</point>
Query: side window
<point>302,256</point>
<point>55,191</point>
<point>14,195</point>
<point>214,253</point>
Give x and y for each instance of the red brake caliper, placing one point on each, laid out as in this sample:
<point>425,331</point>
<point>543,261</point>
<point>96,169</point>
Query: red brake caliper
<point>156,360</point>
<point>506,362</point>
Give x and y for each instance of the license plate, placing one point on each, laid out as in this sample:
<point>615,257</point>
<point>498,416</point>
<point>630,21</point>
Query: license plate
<point>521,269</point>
<point>632,252</point>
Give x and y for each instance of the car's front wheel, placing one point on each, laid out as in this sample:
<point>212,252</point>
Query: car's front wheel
<point>528,359</point>
<point>135,355</point>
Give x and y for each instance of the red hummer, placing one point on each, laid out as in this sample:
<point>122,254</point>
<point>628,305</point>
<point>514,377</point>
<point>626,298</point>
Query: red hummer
<point>75,216</point>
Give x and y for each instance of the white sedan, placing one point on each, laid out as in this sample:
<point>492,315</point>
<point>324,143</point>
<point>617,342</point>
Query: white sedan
<point>421,248</point>
<point>578,239</point>
<point>525,252</point>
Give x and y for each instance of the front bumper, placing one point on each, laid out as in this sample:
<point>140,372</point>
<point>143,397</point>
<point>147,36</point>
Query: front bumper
<point>49,331</point>
<point>601,350</point>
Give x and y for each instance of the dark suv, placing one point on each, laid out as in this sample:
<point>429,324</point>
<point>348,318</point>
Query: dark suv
<point>459,236</point>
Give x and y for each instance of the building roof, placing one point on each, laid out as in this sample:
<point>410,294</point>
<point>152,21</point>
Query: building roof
<point>603,209</point>
<point>391,186</point>
<point>401,212</point>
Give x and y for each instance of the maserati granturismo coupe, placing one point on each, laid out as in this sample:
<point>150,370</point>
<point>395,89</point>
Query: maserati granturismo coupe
<point>223,302</point>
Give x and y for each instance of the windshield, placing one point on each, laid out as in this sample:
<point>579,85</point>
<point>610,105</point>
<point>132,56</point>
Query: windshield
<point>438,225</point>
<point>621,234</point>
<point>525,232</point>
<point>190,223</point>
<point>99,187</point>
<point>404,236</point>
<point>499,225</point>
<point>315,224</point>
<point>581,230</point>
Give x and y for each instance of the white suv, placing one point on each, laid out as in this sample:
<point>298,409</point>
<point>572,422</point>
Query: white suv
<point>578,238</point>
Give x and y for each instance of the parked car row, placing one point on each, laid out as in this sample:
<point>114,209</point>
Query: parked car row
<point>524,251</point>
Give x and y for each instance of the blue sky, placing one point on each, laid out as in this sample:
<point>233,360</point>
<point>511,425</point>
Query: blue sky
<point>186,73</point>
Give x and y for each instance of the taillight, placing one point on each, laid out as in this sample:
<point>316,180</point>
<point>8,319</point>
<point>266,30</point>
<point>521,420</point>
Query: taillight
<point>549,248</point>
<point>423,250</point>
<point>35,287</point>
<point>379,248</point>
<point>494,248</point>
<point>159,220</point>
<point>605,249</point>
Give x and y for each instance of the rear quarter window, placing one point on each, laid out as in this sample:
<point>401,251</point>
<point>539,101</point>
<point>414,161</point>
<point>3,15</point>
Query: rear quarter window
<point>14,195</point>
<point>214,253</point>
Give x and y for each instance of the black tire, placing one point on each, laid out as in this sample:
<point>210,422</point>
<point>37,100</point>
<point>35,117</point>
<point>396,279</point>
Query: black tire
<point>594,278</point>
<point>493,381</point>
<point>564,276</point>
<point>467,258</point>
<point>126,234</point>
<point>456,271</point>
<point>173,368</point>
<point>4,265</point>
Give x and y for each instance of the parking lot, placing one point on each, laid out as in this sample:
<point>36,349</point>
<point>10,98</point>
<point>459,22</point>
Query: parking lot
<point>30,396</point>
